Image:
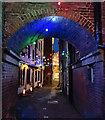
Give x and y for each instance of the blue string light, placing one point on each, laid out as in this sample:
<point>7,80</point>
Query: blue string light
<point>46,29</point>
<point>53,19</point>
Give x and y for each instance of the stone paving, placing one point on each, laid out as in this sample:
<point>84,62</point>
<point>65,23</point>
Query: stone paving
<point>44,103</point>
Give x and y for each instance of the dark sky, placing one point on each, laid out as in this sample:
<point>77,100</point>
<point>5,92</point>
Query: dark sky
<point>55,45</point>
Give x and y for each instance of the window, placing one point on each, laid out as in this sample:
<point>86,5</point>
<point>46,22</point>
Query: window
<point>20,76</point>
<point>28,51</point>
<point>39,46</point>
<point>33,55</point>
<point>28,76</point>
<point>35,76</point>
<point>23,76</point>
<point>36,44</point>
<point>38,75</point>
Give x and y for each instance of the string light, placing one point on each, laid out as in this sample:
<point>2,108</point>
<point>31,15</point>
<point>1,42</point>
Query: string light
<point>59,3</point>
<point>44,57</point>
<point>46,29</point>
<point>34,43</point>
<point>63,52</point>
<point>53,19</point>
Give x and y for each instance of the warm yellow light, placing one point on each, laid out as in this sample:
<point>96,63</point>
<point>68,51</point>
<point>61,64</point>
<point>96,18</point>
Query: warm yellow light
<point>43,68</point>
<point>52,40</point>
<point>38,69</point>
<point>24,66</point>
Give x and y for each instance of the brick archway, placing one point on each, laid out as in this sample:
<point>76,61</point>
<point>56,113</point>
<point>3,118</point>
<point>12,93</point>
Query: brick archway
<point>63,28</point>
<point>45,12</point>
<point>27,12</point>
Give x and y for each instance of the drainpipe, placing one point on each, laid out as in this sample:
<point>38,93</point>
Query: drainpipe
<point>98,23</point>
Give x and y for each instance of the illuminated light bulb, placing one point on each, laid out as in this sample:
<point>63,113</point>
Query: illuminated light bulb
<point>44,57</point>
<point>59,3</point>
<point>46,29</point>
<point>62,53</point>
<point>34,43</point>
<point>53,19</point>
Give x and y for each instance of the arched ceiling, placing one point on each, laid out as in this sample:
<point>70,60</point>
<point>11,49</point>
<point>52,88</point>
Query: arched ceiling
<point>62,28</point>
<point>17,14</point>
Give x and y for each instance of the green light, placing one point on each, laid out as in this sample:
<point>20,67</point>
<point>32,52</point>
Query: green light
<point>63,53</point>
<point>67,56</point>
<point>44,59</point>
<point>34,43</point>
<point>48,63</point>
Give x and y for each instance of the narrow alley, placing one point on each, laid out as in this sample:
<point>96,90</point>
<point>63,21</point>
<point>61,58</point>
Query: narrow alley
<point>46,102</point>
<point>52,60</point>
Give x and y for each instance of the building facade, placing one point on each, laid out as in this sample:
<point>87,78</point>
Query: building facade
<point>31,66</point>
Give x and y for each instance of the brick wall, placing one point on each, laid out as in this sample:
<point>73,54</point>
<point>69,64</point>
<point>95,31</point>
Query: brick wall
<point>10,79</point>
<point>103,33</point>
<point>88,97</point>
<point>18,14</point>
<point>104,90</point>
<point>103,21</point>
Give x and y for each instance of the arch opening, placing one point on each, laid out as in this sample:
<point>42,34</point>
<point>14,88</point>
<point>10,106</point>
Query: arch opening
<point>59,27</point>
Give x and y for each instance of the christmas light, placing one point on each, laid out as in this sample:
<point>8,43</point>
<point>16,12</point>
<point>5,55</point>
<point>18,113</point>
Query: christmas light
<point>46,29</point>
<point>53,19</point>
<point>44,57</point>
<point>34,43</point>
<point>63,52</point>
<point>59,3</point>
